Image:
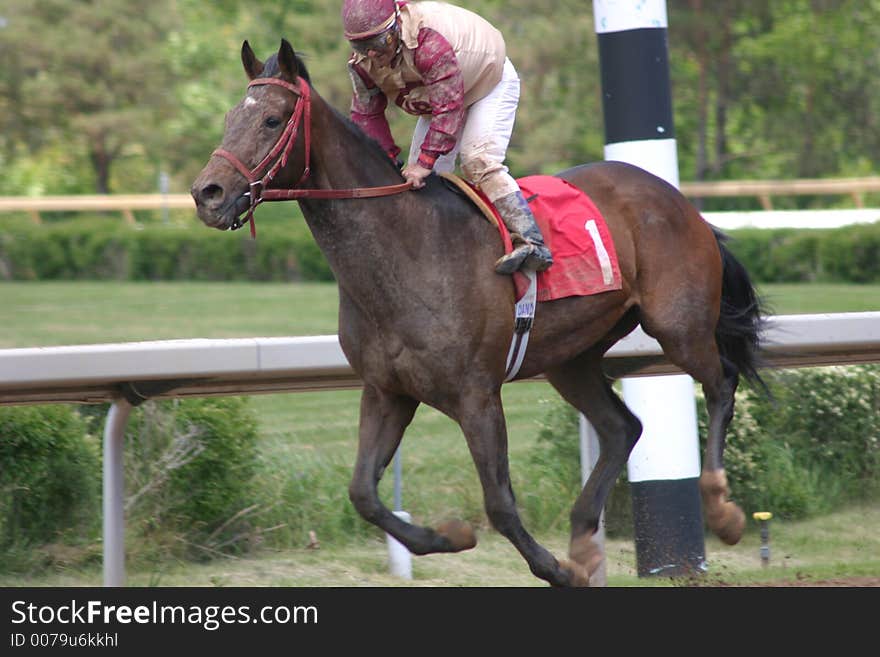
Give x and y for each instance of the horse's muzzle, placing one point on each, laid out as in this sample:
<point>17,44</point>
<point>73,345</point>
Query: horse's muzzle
<point>215,208</point>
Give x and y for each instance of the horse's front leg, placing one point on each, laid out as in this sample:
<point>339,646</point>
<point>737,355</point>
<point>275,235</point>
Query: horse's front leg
<point>384,417</point>
<point>482,419</point>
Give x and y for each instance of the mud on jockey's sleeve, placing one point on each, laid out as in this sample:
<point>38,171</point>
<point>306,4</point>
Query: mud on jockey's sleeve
<point>441,73</point>
<point>368,105</point>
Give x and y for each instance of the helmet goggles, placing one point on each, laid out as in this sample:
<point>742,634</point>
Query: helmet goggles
<point>381,42</point>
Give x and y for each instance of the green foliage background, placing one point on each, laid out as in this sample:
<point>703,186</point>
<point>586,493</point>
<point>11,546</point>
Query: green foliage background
<point>104,95</point>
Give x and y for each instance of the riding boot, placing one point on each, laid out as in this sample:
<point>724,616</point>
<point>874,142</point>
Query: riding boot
<point>529,250</point>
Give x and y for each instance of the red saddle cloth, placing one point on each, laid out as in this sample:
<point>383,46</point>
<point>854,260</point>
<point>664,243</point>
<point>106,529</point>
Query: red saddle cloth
<point>584,258</point>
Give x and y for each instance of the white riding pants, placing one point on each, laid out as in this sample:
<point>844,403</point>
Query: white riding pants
<point>482,143</point>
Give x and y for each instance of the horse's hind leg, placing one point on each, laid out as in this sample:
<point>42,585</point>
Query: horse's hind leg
<point>482,420</point>
<point>696,352</point>
<point>383,419</point>
<point>583,384</point>
<point>724,518</point>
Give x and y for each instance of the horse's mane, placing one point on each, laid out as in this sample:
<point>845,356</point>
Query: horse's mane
<point>271,69</point>
<point>366,140</point>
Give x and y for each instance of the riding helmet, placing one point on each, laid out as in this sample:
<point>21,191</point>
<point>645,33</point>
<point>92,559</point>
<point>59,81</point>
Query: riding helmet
<point>362,19</point>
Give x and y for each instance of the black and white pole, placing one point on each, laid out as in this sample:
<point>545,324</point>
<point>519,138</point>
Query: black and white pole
<point>664,467</point>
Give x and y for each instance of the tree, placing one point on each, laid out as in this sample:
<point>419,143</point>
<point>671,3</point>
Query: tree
<point>204,52</point>
<point>816,80</point>
<point>704,38</point>
<point>555,52</point>
<point>760,89</point>
<point>776,90</point>
<point>92,74</point>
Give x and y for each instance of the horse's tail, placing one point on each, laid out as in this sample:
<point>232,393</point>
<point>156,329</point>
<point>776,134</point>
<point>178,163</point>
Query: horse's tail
<point>741,322</point>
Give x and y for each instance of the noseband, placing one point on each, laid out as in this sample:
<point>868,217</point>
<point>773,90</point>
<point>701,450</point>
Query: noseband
<point>261,175</point>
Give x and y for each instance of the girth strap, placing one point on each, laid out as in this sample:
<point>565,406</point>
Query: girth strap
<point>523,319</point>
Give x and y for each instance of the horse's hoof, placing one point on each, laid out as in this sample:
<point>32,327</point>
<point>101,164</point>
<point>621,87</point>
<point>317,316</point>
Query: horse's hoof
<point>460,534</point>
<point>577,574</point>
<point>732,525</point>
<point>725,518</point>
<point>584,551</point>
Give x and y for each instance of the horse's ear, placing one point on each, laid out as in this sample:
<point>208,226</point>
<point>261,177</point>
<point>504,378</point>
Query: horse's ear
<point>287,61</point>
<point>252,66</point>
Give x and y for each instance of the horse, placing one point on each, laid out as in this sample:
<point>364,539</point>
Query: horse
<point>424,319</point>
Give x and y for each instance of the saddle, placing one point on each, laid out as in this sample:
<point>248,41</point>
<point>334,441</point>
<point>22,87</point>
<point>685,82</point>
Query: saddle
<point>483,204</point>
<point>584,257</point>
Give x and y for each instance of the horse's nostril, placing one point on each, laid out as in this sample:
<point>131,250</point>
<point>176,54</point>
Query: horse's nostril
<point>211,192</point>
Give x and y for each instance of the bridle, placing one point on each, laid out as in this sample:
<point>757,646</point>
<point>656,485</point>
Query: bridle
<point>261,175</point>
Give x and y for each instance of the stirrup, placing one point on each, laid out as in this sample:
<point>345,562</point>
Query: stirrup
<point>539,258</point>
<point>507,264</point>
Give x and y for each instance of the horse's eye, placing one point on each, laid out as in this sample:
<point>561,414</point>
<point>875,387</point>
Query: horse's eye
<point>272,122</point>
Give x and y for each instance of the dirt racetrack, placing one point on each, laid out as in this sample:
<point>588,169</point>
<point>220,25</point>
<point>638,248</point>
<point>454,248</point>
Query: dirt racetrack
<point>836,582</point>
<point>842,581</point>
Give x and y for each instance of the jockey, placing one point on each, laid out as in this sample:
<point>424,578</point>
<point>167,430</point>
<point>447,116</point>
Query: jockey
<point>448,66</point>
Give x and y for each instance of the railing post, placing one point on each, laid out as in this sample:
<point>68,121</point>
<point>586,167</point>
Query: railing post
<point>399,557</point>
<point>114,493</point>
<point>589,444</point>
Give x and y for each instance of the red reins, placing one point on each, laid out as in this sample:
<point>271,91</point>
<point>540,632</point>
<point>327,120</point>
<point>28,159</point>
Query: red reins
<point>261,175</point>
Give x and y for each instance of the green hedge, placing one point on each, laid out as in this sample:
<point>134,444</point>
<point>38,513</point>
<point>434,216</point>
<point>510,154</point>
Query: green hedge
<point>812,447</point>
<point>191,470</point>
<point>191,478</point>
<point>217,485</point>
<point>50,475</point>
<point>107,248</point>
<point>104,248</point>
<point>850,254</point>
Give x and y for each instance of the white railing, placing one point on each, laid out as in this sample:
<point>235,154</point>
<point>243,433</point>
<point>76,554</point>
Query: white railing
<point>128,373</point>
<point>763,190</point>
<point>192,368</point>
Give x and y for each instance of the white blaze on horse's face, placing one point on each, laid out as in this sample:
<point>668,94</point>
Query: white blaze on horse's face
<point>254,125</point>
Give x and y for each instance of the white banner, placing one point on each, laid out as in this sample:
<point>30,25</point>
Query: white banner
<point>620,15</point>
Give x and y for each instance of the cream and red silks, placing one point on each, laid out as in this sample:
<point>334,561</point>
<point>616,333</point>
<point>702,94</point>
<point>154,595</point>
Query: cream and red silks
<point>439,93</point>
